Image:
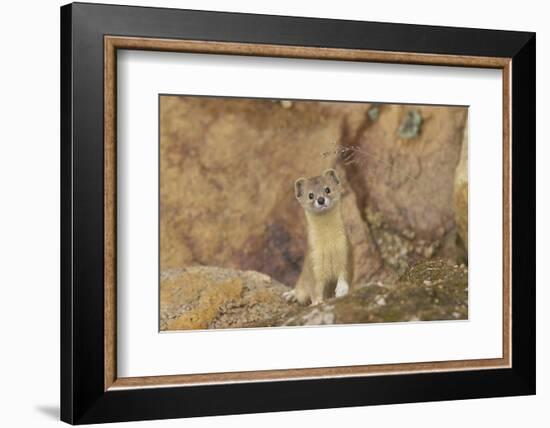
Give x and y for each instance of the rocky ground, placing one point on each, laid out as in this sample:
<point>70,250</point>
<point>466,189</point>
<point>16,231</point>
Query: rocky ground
<point>209,297</point>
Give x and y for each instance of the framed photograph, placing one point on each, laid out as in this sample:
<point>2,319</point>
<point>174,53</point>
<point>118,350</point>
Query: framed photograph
<point>266,213</point>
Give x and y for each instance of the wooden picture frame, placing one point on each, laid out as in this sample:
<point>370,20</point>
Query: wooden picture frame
<point>91,391</point>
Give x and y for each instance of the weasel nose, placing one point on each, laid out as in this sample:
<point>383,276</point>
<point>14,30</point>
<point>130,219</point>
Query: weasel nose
<point>321,200</point>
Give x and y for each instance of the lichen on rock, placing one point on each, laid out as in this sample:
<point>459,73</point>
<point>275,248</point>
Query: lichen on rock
<point>210,297</point>
<point>410,125</point>
<point>429,291</point>
<point>202,297</point>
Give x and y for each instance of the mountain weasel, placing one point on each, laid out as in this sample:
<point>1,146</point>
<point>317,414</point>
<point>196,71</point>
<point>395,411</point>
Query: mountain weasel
<point>328,264</point>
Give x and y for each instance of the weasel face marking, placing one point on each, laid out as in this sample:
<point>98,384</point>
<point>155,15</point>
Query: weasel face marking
<point>318,194</point>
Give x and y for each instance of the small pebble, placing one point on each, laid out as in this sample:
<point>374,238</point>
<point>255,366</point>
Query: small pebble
<point>328,318</point>
<point>286,104</point>
<point>380,301</point>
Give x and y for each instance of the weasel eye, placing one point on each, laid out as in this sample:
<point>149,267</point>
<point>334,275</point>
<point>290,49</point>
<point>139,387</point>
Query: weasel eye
<point>327,190</point>
<point>311,195</point>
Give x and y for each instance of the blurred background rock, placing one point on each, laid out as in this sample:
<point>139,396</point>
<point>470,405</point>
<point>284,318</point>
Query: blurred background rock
<point>228,167</point>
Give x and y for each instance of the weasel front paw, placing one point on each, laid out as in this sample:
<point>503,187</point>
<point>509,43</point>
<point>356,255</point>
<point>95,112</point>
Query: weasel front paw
<point>342,288</point>
<point>289,296</point>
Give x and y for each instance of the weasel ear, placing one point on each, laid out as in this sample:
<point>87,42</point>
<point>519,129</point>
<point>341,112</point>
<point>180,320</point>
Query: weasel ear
<point>299,187</point>
<point>330,173</point>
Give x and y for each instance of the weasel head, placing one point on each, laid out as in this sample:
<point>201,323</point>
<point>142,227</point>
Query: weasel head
<point>320,194</point>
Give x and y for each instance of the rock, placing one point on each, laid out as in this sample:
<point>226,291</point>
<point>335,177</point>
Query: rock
<point>429,291</point>
<point>228,167</point>
<point>208,297</point>
<point>404,187</point>
<point>227,180</point>
<point>461,192</point>
<point>367,260</point>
